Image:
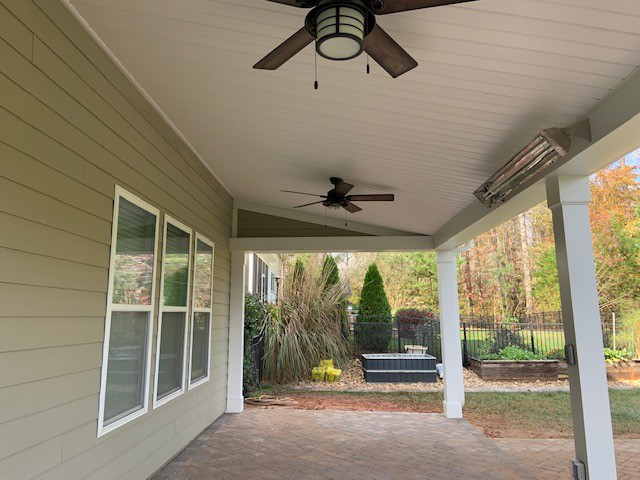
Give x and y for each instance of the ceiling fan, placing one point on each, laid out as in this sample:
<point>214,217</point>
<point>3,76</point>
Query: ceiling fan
<point>343,29</point>
<point>338,197</point>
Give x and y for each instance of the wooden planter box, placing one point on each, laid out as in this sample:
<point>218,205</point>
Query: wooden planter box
<point>523,370</point>
<point>624,370</point>
<point>563,369</point>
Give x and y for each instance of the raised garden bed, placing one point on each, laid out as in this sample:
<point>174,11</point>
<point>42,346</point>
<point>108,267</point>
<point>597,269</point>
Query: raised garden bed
<point>399,367</point>
<point>624,370</point>
<point>563,369</point>
<point>527,370</point>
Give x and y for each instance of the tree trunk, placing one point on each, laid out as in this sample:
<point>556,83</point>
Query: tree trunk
<point>526,264</point>
<point>468,280</point>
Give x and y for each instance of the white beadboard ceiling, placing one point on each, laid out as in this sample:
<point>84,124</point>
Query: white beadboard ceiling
<point>491,74</point>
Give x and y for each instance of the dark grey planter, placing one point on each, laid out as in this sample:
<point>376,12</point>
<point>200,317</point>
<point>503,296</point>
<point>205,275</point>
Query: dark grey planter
<point>399,368</point>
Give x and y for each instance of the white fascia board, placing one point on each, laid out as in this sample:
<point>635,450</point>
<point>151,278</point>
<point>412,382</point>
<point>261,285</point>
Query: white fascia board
<point>615,127</point>
<point>319,220</point>
<point>332,244</point>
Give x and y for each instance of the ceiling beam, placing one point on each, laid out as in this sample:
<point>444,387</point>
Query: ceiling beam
<point>332,244</point>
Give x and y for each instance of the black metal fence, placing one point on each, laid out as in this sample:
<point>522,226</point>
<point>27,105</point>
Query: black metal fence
<point>478,335</point>
<point>387,335</point>
<point>479,339</point>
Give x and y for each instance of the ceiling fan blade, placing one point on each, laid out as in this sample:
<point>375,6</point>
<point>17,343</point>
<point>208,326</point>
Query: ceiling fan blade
<point>293,3</point>
<point>388,54</point>
<point>393,6</point>
<point>350,207</point>
<point>343,188</point>
<point>307,204</point>
<point>372,198</point>
<point>285,50</point>
<point>304,193</point>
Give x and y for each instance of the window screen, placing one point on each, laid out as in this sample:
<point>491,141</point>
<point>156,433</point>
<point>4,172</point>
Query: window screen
<point>125,376</point>
<point>172,322</point>
<point>200,346</point>
<point>126,366</point>
<point>171,353</point>
<point>133,266</point>
<point>202,308</point>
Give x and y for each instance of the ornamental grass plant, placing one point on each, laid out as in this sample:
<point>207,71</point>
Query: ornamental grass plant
<point>305,327</point>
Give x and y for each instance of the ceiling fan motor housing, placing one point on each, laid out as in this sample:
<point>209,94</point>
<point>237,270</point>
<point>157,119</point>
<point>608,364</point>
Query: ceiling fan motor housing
<point>340,27</point>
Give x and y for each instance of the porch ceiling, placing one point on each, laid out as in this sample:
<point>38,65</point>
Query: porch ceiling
<point>491,75</point>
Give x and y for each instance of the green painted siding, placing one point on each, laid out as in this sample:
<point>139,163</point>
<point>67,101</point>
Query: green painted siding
<point>73,126</point>
<point>260,225</point>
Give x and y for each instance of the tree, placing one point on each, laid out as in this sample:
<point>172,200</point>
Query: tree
<point>373,300</point>
<point>374,313</point>
<point>615,224</point>
<point>298,270</point>
<point>330,277</point>
<point>545,280</point>
<point>330,274</point>
<point>255,314</point>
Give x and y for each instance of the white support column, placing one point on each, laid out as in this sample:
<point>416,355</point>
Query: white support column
<point>235,400</point>
<point>450,333</point>
<point>568,198</point>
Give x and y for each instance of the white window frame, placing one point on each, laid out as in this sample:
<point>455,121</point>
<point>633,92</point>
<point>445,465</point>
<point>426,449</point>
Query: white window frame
<point>162,308</point>
<point>150,309</point>
<point>272,291</point>
<point>194,310</point>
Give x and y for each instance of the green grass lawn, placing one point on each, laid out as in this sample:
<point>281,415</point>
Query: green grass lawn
<point>515,415</point>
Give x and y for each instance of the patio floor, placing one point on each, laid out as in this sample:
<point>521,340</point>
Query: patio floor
<point>302,444</point>
<point>550,458</point>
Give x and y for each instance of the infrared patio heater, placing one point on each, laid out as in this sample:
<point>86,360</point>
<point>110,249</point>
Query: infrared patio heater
<point>542,152</point>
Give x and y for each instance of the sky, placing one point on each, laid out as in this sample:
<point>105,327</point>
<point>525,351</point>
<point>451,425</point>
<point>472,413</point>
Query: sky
<point>633,159</point>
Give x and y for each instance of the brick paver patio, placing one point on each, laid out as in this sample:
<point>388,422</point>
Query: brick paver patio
<point>302,444</point>
<point>550,459</point>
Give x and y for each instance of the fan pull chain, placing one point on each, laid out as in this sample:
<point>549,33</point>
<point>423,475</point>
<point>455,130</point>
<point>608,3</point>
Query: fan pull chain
<point>315,83</point>
<point>365,49</point>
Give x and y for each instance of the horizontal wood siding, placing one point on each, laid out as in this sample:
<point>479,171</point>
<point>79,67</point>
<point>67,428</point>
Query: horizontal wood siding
<point>261,225</point>
<point>73,127</point>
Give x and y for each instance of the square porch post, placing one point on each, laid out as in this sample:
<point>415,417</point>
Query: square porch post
<point>235,400</point>
<point>450,333</point>
<point>568,198</point>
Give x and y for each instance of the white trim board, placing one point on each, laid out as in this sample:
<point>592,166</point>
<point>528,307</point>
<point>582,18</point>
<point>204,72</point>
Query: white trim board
<point>332,244</point>
<point>318,220</point>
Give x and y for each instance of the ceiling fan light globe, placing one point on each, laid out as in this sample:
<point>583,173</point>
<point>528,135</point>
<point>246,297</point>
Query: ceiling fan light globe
<point>339,48</point>
<point>340,32</point>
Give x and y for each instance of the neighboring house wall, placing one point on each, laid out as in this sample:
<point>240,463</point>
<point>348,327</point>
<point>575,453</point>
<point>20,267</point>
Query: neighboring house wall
<point>264,270</point>
<point>72,127</point>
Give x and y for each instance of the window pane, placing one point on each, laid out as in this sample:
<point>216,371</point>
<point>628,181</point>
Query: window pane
<point>203,276</point>
<point>133,274</point>
<point>176,267</point>
<point>126,364</point>
<point>171,353</point>
<point>200,346</point>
